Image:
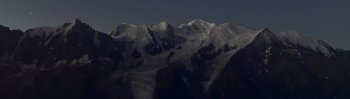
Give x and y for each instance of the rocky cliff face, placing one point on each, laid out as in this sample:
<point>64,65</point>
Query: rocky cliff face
<point>9,40</point>
<point>198,60</point>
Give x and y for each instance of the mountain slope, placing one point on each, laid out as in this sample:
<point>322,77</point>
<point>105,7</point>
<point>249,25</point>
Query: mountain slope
<point>197,60</point>
<point>269,68</point>
<point>9,39</point>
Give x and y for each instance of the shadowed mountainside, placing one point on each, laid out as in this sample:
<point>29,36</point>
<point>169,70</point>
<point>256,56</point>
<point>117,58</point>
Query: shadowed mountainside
<point>197,60</point>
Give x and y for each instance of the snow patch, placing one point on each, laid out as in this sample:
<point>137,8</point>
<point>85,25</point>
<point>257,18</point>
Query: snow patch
<point>198,22</point>
<point>61,62</point>
<point>296,38</point>
<point>138,35</point>
<point>200,34</point>
<point>161,26</point>
<point>42,32</point>
<point>267,55</point>
<point>84,59</point>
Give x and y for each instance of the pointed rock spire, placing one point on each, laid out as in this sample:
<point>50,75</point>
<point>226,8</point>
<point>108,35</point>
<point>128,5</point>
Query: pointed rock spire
<point>77,21</point>
<point>266,30</point>
<point>265,36</point>
<point>77,26</point>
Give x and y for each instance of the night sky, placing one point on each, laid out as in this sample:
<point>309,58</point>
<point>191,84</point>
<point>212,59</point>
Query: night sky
<point>321,19</point>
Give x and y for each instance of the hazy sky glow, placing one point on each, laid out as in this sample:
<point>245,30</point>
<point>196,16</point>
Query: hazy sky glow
<point>321,19</point>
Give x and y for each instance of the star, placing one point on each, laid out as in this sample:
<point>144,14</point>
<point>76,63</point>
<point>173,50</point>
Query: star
<point>30,13</point>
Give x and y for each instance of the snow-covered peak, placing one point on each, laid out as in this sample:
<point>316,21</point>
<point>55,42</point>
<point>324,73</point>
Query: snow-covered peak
<point>114,32</point>
<point>201,23</point>
<point>266,34</point>
<point>138,34</point>
<point>266,37</point>
<point>296,38</point>
<point>124,28</point>
<point>161,26</point>
<point>161,30</point>
<point>235,28</point>
<point>76,24</point>
<point>42,32</point>
<point>265,29</point>
<point>131,29</point>
<point>323,43</point>
<point>197,27</point>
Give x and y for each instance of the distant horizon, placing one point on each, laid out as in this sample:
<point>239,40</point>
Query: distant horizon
<point>169,24</point>
<point>323,19</point>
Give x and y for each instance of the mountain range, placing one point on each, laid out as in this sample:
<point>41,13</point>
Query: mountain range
<point>197,60</point>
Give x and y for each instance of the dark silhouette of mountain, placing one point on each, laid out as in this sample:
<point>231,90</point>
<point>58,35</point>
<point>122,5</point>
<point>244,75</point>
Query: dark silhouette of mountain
<point>9,39</point>
<point>197,60</point>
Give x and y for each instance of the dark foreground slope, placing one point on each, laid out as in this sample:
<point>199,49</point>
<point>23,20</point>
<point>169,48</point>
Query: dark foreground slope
<point>198,60</point>
<point>267,69</point>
